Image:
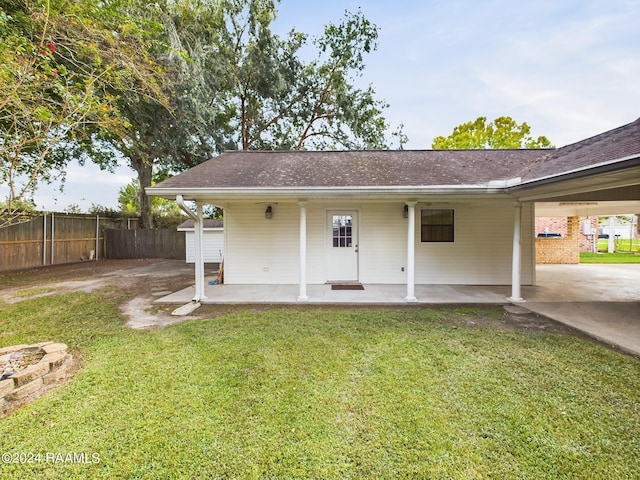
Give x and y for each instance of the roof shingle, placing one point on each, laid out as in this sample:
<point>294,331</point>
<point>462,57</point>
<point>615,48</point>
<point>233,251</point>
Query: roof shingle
<point>407,168</point>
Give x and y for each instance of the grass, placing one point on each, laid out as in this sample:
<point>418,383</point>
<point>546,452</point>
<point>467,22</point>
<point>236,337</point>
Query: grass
<point>296,393</point>
<point>589,257</point>
<point>620,244</point>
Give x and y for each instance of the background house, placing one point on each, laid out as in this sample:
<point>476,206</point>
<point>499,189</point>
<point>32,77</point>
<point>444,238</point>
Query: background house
<point>213,248</point>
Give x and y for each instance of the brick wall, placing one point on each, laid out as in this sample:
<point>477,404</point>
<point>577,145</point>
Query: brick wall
<point>560,250</point>
<point>559,225</point>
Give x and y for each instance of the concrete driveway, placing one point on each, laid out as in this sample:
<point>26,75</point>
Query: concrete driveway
<point>602,300</point>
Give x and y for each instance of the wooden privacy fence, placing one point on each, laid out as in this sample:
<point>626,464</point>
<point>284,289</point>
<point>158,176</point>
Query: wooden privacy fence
<point>159,243</point>
<point>56,238</point>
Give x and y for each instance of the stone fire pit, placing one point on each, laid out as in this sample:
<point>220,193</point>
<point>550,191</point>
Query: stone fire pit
<point>26,370</point>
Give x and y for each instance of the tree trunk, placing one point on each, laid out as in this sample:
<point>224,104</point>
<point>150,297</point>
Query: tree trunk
<point>145,171</point>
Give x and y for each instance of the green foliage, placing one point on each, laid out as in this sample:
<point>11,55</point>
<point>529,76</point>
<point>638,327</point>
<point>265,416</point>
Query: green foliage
<point>19,211</point>
<point>234,84</point>
<point>502,133</point>
<point>61,62</point>
<point>73,208</point>
<point>299,393</point>
<point>277,101</point>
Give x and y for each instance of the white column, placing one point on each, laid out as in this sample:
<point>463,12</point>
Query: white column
<point>302,295</point>
<point>198,231</point>
<point>411,235</point>
<point>516,295</point>
<point>611,246</point>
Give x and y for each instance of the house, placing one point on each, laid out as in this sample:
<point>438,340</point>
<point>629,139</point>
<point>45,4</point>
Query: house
<point>400,217</point>
<point>213,240</point>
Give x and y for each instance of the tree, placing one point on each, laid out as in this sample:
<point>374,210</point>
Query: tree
<point>188,129</point>
<point>60,60</point>
<point>277,101</point>
<point>503,132</point>
<point>129,202</point>
<point>233,84</point>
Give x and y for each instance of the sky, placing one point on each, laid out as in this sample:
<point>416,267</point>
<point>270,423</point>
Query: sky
<point>569,68</point>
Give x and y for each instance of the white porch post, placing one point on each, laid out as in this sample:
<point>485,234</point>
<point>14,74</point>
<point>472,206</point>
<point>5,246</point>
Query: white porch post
<point>199,247</point>
<point>411,226</point>
<point>302,294</point>
<point>198,237</point>
<point>611,246</point>
<point>516,295</point>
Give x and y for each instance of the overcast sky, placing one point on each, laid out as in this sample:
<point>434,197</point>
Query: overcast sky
<point>569,68</point>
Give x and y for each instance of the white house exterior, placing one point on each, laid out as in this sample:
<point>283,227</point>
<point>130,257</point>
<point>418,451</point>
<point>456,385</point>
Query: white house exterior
<point>213,240</point>
<point>266,251</point>
<point>397,217</point>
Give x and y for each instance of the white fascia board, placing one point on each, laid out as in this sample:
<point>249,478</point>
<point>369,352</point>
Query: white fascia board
<point>323,192</point>
<point>205,229</point>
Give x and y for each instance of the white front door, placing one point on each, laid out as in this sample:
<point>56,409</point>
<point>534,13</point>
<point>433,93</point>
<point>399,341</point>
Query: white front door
<point>342,246</point>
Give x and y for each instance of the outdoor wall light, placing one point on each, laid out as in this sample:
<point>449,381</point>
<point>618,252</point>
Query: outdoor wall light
<point>268,213</point>
<point>405,211</point>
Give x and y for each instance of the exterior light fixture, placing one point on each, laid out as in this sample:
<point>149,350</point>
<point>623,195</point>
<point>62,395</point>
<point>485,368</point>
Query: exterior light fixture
<point>268,213</point>
<point>405,211</point>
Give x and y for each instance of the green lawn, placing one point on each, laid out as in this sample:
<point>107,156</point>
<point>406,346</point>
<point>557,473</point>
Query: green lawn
<point>623,245</point>
<point>588,257</point>
<point>312,393</point>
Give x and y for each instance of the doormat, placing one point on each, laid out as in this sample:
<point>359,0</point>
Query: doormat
<point>347,286</point>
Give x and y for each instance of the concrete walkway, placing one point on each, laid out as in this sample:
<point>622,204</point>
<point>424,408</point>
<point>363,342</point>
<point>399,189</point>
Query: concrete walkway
<point>602,300</point>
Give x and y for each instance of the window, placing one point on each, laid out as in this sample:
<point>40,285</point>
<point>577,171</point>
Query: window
<point>437,225</point>
<point>342,231</point>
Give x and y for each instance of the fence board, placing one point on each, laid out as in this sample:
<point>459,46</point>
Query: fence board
<point>55,238</point>
<point>158,243</point>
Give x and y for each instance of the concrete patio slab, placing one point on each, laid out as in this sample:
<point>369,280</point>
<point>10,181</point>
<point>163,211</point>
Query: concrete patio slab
<point>601,300</point>
<point>319,294</point>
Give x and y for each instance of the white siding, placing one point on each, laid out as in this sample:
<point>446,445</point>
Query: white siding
<point>481,252</point>
<point>213,246</point>
<point>266,251</point>
<point>383,244</point>
<point>260,250</point>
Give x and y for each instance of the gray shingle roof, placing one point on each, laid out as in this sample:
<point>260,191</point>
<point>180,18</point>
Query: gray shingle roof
<point>355,168</point>
<point>612,145</point>
<point>409,168</point>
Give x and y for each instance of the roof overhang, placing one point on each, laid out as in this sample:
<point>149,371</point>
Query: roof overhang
<point>223,195</point>
<point>617,174</point>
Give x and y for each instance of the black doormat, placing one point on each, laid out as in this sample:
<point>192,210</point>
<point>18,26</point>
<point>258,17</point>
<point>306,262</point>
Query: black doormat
<point>347,286</point>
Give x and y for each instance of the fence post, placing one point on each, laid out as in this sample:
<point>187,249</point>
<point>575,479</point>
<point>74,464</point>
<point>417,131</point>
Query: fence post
<point>97,235</point>
<point>52,238</point>
<point>44,239</point>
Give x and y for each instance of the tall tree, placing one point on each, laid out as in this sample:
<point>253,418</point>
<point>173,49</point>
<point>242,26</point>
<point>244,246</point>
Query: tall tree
<point>234,84</point>
<point>189,128</point>
<point>60,59</point>
<point>503,132</point>
<point>278,101</point>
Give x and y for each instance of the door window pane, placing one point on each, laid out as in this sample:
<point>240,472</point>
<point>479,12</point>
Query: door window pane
<point>342,231</point>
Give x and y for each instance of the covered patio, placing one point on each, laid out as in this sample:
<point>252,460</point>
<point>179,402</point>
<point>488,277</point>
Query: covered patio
<point>323,294</point>
<point>582,283</point>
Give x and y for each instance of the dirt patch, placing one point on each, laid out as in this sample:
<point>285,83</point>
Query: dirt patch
<point>142,280</point>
